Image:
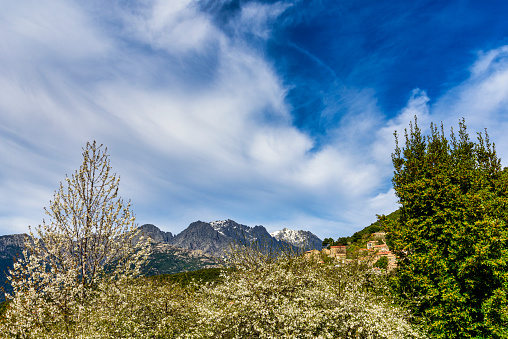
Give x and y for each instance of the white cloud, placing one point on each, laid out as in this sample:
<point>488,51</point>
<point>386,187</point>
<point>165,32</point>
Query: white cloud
<point>200,138</point>
<point>495,58</point>
<point>255,17</point>
<point>482,100</point>
<point>195,120</point>
<point>383,203</point>
<point>55,34</point>
<point>173,26</point>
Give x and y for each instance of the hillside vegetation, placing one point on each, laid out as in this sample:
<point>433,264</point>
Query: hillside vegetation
<point>262,297</point>
<point>359,239</point>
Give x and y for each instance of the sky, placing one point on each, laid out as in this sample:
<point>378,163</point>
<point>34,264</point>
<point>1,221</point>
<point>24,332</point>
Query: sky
<point>273,113</point>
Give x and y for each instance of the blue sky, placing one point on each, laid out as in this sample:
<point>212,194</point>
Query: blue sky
<point>279,113</point>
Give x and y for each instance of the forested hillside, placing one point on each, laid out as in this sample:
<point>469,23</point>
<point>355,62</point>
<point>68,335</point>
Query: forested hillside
<point>359,239</point>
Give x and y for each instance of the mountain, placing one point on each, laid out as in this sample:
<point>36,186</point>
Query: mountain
<point>167,259</point>
<point>302,239</point>
<point>155,233</point>
<point>194,248</point>
<point>164,258</point>
<point>11,246</point>
<point>216,237</point>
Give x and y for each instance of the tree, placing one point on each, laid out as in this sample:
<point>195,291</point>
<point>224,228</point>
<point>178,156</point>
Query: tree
<point>293,297</point>
<point>451,238</point>
<point>328,242</point>
<point>382,263</point>
<point>91,239</point>
<point>341,241</point>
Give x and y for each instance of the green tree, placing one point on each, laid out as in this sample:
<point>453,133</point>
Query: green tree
<point>328,242</point>
<point>451,237</point>
<point>382,263</point>
<point>90,239</point>
<point>342,241</point>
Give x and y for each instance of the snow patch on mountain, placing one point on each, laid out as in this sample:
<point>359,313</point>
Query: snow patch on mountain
<point>299,238</point>
<point>230,228</point>
<point>218,225</point>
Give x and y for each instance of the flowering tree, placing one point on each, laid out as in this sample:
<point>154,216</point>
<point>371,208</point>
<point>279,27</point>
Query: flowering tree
<point>293,297</point>
<point>260,296</point>
<point>90,239</point>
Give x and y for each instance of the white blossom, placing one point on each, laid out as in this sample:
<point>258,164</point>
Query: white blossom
<point>90,237</point>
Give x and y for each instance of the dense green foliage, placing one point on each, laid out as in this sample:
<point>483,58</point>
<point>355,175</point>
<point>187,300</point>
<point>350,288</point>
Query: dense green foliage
<point>452,236</point>
<point>382,263</point>
<point>170,262</point>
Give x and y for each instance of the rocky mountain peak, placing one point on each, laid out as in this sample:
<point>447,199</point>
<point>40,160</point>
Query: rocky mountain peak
<point>13,241</point>
<point>216,237</point>
<point>301,239</point>
<point>155,233</point>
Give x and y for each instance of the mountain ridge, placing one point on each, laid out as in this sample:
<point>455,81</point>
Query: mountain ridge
<point>197,246</point>
<point>216,237</point>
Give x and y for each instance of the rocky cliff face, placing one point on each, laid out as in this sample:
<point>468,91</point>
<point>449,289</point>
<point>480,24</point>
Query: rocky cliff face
<point>202,236</point>
<point>11,246</point>
<point>245,235</point>
<point>155,233</point>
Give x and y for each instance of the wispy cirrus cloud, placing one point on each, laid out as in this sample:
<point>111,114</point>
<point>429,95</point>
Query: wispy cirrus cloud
<point>198,118</point>
<point>482,99</point>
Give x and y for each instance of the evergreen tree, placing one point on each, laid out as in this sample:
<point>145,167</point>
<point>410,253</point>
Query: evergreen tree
<point>341,241</point>
<point>328,242</point>
<point>452,238</point>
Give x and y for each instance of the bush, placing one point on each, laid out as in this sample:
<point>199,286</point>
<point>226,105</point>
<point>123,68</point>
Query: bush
<point>292,297</point>
<point>264,296</point>
<point>184,279</point>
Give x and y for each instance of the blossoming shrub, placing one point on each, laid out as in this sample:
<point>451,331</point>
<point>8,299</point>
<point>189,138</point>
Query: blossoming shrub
<point>293,297</point>
<point>139,309</point>
<point>144,309</point>
<point>262,297</point>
